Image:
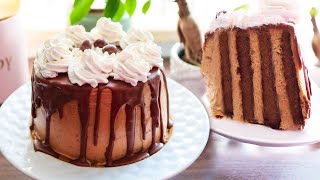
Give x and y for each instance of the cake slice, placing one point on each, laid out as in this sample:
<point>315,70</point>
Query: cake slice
<point>254,70</point>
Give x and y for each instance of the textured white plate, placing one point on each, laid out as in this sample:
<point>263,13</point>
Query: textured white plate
<point>190,135</point>
<point>265,136</point>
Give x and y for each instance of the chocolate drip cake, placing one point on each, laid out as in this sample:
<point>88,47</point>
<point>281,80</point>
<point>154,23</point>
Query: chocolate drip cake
<point>254,70</point>
<point>95,103</point>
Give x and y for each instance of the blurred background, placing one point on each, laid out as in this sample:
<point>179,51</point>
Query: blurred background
<point>43,17</point>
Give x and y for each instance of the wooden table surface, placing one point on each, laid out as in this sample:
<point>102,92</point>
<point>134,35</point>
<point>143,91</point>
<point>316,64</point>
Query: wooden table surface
<point>227,159</point>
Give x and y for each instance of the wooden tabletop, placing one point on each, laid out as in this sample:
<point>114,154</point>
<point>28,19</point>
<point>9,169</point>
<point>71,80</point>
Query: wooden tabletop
<point>227,159</point>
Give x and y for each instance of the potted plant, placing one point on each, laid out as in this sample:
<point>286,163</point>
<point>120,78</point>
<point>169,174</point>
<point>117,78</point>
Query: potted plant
<point>186,55</point>
<point>117,10</point>
<point>316,36</point>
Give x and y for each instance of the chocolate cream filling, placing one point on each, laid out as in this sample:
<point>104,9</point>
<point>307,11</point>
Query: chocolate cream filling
<point>246,73</point>
<point>292,86</point>
<point>271,112</point>
<point>226,79</point>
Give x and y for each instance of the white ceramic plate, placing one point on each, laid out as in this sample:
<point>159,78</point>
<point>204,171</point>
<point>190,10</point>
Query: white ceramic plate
<point>265,136</point>
<point>190,135</point>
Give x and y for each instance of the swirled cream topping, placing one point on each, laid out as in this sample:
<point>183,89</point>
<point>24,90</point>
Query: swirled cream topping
<point>54,56</point>
<point>106,28</point>
<point>130,68</point>
<point>78,34</point>
<point>135,35</point>
<point>287,10</point>
<point>93,57</point>
<point>91,69</point>
<point>270,12</point>
<point>149,52</point>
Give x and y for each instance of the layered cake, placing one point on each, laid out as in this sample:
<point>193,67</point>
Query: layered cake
<point>253,67</point>
<point>100,98</point>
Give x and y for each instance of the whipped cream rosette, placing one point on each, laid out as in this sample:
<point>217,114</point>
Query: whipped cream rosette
<point>93,57</point>
<point>54,56</point>
<point>91,68</point>
<point>78,34</point>
<point>106,28</point>
<point>149,52</point>
<point>135,35</point>
<point>130,68</point>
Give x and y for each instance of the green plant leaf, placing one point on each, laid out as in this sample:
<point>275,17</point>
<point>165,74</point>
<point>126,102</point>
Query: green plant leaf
<point>120,12</point>
<point>131,6</point>
<point>314,12</point>
<point>81,9</point>
<point>146,6</point>
<point>244,7</point>
<point>111,8</point>
<point>76,3</point>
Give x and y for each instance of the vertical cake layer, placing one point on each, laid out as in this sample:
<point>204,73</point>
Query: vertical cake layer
<point>246,74</point>
<point>290,75</point>
<point>256,78</point>
<point>212,71</point>
<point>302,75</point>
<point>281,81</point>
<point>236,77</point>
<point>271,112</point>
<point>226,79</point>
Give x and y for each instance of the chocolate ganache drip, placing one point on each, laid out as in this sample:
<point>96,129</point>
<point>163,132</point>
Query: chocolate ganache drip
<point>54,95</point>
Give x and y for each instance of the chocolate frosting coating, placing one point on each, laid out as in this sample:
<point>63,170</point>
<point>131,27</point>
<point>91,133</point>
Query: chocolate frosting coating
<point>53,94</point>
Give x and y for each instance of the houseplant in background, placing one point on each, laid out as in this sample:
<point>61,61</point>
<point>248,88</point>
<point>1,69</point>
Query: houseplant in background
<point>189,35</point>
<point>186,55</point>
<point>316,35</point>
<point>117,10</point>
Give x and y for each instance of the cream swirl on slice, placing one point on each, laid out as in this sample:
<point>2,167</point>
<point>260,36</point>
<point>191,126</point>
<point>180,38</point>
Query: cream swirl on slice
<point>109,30</point>
<point>150,52</point>
<point>78,34</point>
<point>287,10</point>
<point>135,35</point>
<point>91,68</point>
<point>270,12</point>
<point>130,68</point>
<point>54,56</point>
